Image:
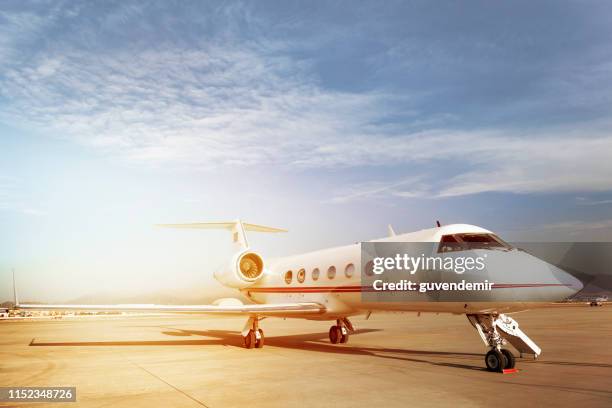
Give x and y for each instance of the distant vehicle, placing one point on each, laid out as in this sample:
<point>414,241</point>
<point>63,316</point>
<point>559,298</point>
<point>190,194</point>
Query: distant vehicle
<point>598,301</point>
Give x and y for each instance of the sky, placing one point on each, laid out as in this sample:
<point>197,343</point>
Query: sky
<point>329,119</point>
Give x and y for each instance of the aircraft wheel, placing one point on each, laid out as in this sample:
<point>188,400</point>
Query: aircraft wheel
<point>344,337</point>
<point>495,361</point>
<point>335,334</point>
<point>249,340</point>
<point>259,342</point>
<point>510,360</point>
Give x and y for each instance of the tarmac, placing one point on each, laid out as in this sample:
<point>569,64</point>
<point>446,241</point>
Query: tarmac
<point>392,360</point>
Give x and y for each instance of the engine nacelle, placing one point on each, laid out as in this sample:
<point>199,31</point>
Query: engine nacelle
<point>244,269</point>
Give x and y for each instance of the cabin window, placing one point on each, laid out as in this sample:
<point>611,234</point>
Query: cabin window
<point>331,272</point>
<point>288,277</point>
<point>301,275</point>
<point>349,270</point>
<point>369,268</point>
<point>315,274</point>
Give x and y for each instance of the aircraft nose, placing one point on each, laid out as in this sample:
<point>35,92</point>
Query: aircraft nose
<point>572,285</point>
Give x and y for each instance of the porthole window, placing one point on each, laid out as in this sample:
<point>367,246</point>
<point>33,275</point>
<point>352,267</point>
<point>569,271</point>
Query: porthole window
<point>369,268</point>
<point>349,270</point>
<point>301,275</point>
<point>288,277</point>
<point>331,272</point>
<point>315,274</point>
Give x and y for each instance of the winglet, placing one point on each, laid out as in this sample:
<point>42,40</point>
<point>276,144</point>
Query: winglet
<point>237,227</point>
<point>391,231</point>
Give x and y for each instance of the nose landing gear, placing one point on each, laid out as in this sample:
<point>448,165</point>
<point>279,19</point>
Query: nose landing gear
<point>498,359</point>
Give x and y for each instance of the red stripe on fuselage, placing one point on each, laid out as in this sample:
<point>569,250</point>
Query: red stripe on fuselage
<point>336,289</point>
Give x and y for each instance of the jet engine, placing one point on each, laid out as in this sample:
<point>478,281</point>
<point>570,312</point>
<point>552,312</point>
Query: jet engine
<point>244,269</point>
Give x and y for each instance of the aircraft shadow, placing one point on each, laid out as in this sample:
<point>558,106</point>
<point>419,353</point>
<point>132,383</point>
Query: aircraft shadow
<point>577,390</point>
<point>313,342</point>
<point>202,342</point>
<point>318,342</point>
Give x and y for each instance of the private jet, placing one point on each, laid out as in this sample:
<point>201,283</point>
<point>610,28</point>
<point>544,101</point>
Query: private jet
<point>327,285</point>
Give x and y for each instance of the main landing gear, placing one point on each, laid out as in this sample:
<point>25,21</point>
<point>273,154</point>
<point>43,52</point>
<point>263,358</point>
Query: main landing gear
<point>340,332</point>
<point>252,335</point>
<point>498,359</point>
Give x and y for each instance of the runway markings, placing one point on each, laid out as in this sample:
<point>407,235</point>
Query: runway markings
<point>166,382</point>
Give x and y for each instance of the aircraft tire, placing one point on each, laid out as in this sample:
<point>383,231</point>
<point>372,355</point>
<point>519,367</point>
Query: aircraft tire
<point>249,340</point>
<point>259,343</point>
<point>334,334</point>
<point>344,337</point>
<point>510,360</point>
<point>495,361</point>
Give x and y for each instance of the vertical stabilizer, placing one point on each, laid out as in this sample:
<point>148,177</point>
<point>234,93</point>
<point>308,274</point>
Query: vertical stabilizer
<point>15,298</point>
<point>239,236</point>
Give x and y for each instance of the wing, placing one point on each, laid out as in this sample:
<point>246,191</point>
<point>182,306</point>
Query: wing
<point>274,309</point>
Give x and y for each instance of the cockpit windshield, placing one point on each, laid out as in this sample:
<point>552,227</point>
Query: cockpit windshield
<point>468,241</point>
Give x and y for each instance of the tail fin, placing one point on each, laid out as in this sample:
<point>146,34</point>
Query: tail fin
<point>237,227</point>
<point>15,298</point>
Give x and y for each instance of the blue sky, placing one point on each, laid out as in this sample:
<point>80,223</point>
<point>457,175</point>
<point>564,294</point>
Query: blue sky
<point>331,120</point>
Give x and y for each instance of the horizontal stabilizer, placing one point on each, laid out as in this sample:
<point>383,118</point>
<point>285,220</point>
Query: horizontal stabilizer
<point>223,225</point>
<point>237,227</point>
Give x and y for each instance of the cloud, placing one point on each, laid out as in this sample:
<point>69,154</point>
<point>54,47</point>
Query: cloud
<point>375,189</point>
<point>579,226</point>
<point>572,230</point>
<point>16,27</point>
<point>551,162</point>
<point>222,106</point>
<point>587,201</point>
<point>209,107</point>
<point>33,211</point>
<point>484,161</point>
<point>7,191</point>
<point>231,101</point>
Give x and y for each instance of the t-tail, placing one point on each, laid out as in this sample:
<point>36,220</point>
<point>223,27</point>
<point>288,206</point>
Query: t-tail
<point>237,228</point>
<point>15,298</point>
<point>246,266</point>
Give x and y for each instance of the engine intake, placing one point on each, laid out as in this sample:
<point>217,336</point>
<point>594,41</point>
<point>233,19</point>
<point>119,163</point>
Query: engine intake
<point>244,269</point>
<point>251,266</point>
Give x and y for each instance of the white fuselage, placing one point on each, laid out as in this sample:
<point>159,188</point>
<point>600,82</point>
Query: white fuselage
<point>341,294</point>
